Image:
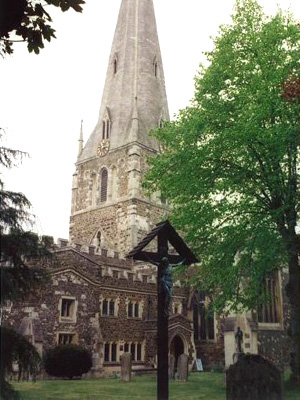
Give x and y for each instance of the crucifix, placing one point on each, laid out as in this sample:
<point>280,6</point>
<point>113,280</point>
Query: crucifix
<point>165,233</point>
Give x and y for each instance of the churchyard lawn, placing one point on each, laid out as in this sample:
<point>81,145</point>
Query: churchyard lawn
<point>205,385</point>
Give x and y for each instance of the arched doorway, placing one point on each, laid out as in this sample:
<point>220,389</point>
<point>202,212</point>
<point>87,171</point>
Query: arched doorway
<point>176,348</point>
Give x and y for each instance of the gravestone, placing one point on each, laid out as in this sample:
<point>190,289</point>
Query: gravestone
<point>236,357</point>
<point>171,366</point>
<point>182,367</point>
<point>253,378</point>
<point>126,367</point>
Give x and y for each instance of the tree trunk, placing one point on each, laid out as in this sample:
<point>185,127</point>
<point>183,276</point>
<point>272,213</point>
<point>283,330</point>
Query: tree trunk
<point>292,291</point>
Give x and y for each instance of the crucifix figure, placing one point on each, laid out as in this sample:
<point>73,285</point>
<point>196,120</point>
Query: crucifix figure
<point>165,233</point>
<point>166,283</point>
<point>166,280</point>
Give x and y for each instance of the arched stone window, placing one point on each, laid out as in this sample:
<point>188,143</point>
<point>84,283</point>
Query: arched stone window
<point>103,185</point>
<point>203,318</point>
<point>270,311</point>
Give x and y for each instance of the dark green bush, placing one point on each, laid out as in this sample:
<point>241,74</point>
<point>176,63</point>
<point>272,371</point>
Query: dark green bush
<point>67,361</point>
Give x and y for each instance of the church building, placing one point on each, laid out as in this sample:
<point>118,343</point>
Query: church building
<point>97,297</point>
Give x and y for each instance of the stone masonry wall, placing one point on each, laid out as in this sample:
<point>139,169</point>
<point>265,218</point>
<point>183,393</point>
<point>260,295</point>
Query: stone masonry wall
<point>128,214</point>
<point>273,341</point>
<point>81,278</point>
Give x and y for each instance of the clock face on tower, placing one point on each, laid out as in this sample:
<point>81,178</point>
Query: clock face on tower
<point>103,147</point>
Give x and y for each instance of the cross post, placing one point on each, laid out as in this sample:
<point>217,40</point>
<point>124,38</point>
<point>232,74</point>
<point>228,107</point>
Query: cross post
<point>162,327</point>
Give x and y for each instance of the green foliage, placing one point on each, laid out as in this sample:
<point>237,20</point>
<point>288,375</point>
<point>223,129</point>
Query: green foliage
<point>15,348</point>
<point>67,361</point>
<point>17,246</point>
<point>14,206</point>
<point>229,164</point>
<point>29,21</point>
<point>18,280</point>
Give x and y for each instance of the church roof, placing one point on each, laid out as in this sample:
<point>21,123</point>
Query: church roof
<point>134,96</point>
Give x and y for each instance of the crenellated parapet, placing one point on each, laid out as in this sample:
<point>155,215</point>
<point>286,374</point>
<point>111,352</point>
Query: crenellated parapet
<point>114,265</point>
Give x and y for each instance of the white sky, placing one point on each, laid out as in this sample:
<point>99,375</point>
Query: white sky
<point>43,98</point>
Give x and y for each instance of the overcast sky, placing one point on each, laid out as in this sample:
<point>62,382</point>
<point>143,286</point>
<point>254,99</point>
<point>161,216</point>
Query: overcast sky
<point>43,98</point>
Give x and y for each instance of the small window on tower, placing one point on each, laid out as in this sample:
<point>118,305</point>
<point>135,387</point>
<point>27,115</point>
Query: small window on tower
<point>103,129</point>
<point>107,129</point>
<point>106,125</point>
<point>155,68</point>
<point>103,186</point>
<point>115,66</point>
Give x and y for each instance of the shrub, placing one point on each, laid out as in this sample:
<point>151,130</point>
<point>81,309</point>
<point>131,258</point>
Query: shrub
<point>15,348</point>
<point>67,361</point>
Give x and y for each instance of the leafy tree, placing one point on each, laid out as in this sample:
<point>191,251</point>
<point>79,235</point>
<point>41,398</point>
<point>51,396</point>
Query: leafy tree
<point>230,162</point>
<point>18,247</point>
<point>16,348</point>
<point>67,361</point>
<point>18,279</point>
<point>29,22</point>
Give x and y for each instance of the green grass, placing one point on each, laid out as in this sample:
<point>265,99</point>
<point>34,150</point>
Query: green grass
<point>206,385</point>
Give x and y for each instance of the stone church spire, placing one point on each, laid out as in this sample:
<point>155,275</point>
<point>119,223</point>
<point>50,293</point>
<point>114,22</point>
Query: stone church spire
<point>109,207</point>
<point>134,97</point>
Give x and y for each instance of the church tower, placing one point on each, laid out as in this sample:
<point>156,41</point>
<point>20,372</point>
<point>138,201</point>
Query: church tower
<point>109,208</point>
